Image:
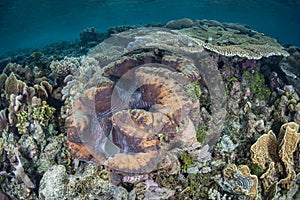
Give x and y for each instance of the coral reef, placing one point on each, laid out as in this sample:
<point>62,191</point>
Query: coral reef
<point>179,23</point>
<point>171,114</point>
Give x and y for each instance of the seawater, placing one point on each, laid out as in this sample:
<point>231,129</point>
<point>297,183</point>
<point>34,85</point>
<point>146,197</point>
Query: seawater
<point>35,23</point>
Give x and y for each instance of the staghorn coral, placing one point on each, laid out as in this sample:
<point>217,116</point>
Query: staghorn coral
<point>278,154</point>
<point>234,40</point>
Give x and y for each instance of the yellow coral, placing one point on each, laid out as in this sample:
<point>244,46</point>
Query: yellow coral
<point>278,152</point>
<point>289,138</point>
<point>264,150</point>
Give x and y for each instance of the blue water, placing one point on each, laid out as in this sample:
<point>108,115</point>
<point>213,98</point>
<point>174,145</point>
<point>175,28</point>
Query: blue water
<point>35,23</point>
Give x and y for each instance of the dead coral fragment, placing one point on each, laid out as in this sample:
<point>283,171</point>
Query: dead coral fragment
<point>20,174</point>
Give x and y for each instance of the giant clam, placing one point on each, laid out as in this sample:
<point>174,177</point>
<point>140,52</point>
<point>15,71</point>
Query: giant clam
<point>131,120</point>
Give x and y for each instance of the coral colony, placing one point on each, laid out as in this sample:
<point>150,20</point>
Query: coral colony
<point>193,109</point>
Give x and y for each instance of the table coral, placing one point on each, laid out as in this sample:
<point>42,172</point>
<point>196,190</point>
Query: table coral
<point>234,40</point>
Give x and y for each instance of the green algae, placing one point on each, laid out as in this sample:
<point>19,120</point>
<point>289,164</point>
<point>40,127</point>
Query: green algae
<point>193,90</point>
<point>202,132</point>
<point>258,88</point>
<point>256,169</point>
<point>186,161</point>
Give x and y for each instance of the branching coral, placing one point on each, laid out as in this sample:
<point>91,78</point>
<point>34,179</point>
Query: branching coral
<point>64,67</point>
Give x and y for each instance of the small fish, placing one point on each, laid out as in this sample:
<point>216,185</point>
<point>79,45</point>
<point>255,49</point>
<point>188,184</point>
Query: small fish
<point>135,179</point>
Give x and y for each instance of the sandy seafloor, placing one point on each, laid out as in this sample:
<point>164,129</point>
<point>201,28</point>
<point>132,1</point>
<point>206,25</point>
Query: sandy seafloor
<point>238,88</point>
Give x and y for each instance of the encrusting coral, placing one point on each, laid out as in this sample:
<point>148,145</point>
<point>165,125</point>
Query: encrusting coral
<point>270,153</point>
